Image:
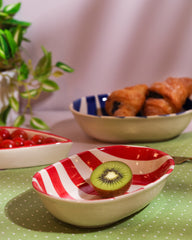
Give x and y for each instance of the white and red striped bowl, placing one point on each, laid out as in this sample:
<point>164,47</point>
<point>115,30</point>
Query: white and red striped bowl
<point>36,155</point>
<point>64,187</point>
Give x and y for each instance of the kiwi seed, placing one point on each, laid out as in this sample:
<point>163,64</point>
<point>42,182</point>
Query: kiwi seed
<point>111,178</point>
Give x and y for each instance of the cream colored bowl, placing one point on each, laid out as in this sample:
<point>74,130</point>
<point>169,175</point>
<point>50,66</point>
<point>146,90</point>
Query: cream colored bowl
<point>65,189</point>
<point>90,114</point>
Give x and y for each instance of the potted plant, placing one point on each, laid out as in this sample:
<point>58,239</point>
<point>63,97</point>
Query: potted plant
<point>19,78</point>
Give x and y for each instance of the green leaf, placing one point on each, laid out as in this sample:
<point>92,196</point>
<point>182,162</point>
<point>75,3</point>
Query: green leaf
<point>44,66</point>
<point>38,124</point>
<point>31,93</point>
<point>15,22</point>
<point>50,86</point>
<point>19,121</point>
<point>23,72</point>
<point>14,104</point>
<point>18,35</point>
<point>4,114</point>
<point>3,15</point>
<point>1,4</point>
<point>64,67</point>
<point>57,73</point>
<point>2,54</point>
<point>12,8</point>
<point>11,42</point>
<point>2,123</point>
<point>4,46</point>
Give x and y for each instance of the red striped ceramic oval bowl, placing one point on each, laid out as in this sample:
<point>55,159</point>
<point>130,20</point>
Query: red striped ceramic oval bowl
<point>65,189</point>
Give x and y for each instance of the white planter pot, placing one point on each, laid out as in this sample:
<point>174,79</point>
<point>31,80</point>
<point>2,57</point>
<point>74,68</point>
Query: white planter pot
<point>8,88</point>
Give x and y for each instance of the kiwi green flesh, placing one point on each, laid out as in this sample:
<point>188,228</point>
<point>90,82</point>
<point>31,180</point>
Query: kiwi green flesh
<point>111,178</point>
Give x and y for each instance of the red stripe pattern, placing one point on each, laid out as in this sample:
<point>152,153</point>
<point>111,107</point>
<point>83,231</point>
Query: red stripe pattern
<point>69,178</point>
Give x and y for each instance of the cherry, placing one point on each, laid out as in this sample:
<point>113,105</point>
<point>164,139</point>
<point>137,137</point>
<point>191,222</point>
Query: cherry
<point>28,143</point>
<point>38,139</point>
<point>19,133</point>
<point>8,143</point>
<point>19,138</point>
<point>4,133</point>
<point>49,140</point>
<point>18,141</point>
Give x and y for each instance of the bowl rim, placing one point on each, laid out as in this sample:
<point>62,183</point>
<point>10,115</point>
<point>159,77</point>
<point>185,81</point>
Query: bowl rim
<point>138,118</point>
<point>35,131</point>
<point>117,198</point>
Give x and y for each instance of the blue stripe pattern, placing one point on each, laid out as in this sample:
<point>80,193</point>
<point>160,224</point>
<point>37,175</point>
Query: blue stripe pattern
<point>91,105</point>
<point>102,98</point>
<point>77,104</point>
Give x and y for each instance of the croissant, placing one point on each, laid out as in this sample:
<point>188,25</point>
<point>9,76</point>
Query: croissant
<point>127,101</point>
<point>168,96</point>
<point>157,106</point>
<point>187,82</point>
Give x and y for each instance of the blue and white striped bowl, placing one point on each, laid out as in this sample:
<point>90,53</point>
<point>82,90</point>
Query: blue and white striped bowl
<point>90,114</point>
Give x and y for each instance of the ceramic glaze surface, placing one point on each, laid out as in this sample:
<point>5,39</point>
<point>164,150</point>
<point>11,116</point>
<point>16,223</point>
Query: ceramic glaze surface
<point>67,183</point>
<point>90,114</point>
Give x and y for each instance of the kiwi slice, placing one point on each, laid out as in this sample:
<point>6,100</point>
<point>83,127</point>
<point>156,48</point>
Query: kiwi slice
<point>111,178</point>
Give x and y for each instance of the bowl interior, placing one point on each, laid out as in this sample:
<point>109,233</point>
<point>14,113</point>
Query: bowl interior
<point>69,178</point>
<point>95,105</point>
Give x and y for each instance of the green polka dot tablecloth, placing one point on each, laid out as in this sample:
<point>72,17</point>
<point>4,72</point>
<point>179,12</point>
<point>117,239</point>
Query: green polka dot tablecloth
<point>168,216</point>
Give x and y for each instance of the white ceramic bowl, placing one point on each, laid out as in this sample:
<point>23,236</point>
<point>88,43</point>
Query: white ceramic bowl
<point>34,155</point>
<point>65,189</point>
<point>90,114</point>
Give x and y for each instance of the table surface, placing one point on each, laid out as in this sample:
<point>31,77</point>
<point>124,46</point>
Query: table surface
<point>168,216</point>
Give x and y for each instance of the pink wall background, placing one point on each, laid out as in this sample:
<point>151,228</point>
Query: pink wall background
<point>110,44</point>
